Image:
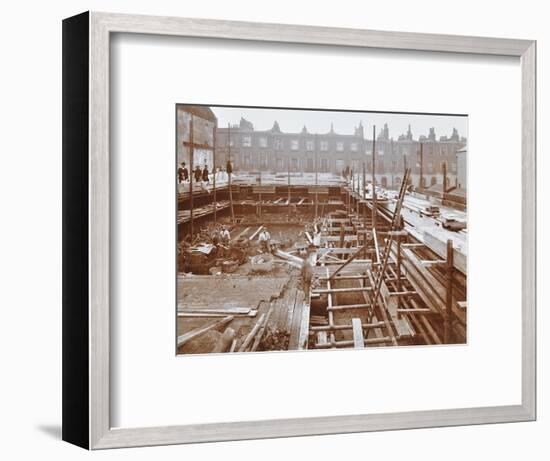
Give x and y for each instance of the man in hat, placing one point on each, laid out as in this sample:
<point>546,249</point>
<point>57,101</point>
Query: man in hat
<point>265,241</point>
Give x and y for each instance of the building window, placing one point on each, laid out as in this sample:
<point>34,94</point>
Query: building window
<point>310,145</point>
<point>294,164</point>
<point>263,161</point>
<point>354,147</point>
<point>324,164</point>
<point>394,164</point>
<point>247,141</point>
<point>263,142</point>
<point>380,152</point>
<point>278,144</point>
<point>279,164</point>
<point>453,167</point>
<point>324,145</point>
<point>340,146</point>
<point>294,144</point>
<point>309,164</point>
<point>430,167</point>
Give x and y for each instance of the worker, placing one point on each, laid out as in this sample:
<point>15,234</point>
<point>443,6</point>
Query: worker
<point>225,236</point>
<point>198,173</point>
<point>181,172</point>
<point>307,275</point>
<point>317,239</point>
<point>265,241</point>
<point>205,174</point>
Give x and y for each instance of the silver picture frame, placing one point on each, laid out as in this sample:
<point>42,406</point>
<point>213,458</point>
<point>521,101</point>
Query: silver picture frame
<point>86,229</point>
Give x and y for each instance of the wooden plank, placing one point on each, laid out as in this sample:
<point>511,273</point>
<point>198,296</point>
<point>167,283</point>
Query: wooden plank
<point>434,242</point>
<point>262,330</point>
<point>186,337</point>
<point>289,257</point>
<point>228,311</point>
<point>200,314</point>
<point>290,303</point>
<point>255,233</point>
<point>240,234</point>
<point>251,334</point>
<point>322,338</point>
<point>384,313</point>
<point>358,339</point>
<point>376,247</point>
<point>401,324</point>
<point>296,322</point>
<point>423,278</point>
<point>330,238</point>
<point>341,290</point>
<point>304,327</point>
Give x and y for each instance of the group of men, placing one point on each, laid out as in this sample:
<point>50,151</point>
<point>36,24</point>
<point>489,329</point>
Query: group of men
<point>201,175</point>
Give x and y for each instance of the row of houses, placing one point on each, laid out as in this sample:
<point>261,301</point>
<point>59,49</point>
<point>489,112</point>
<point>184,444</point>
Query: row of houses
<point>276,151</point>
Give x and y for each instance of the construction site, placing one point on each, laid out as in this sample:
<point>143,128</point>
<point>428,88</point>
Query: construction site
<point>297,260</point>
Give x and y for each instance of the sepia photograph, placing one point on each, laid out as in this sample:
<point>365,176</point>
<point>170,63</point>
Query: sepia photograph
<point>313,229</point>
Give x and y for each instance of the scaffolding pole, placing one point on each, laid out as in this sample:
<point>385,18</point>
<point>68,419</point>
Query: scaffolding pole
<point>214,171</point>
<point>288,175</point>
<point>447,327</point>
<point>191,174</point>
<point>421,180</point>
<point>374,176</point>
<point>316,177</point>
<point>229,170</point>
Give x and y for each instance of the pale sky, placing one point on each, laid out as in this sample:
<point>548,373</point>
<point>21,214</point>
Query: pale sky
<point>292,121</point>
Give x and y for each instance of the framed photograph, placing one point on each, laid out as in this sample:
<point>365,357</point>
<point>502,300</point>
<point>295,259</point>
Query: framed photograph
<point>278,230</point>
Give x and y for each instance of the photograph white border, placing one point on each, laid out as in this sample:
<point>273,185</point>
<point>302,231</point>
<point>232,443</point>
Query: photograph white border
<point>101,27</point>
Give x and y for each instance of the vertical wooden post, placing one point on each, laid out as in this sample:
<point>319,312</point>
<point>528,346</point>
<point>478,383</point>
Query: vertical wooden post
<point>191,175</point>
<point>363,196</point>
<point>349,195</point>
<point>421,180</point>
<point>316,176</point>
<point>447,332</point>
<point>392,167</point>
<point>260,197</point>
<point>229,173</point>
<point>398,271</point>
<point>445,184</point>
<point>374,176</point>
<point>288,161</point>
<point>214,170</point>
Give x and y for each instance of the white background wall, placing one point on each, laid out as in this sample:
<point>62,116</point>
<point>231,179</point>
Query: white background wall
<point>30,243</point>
